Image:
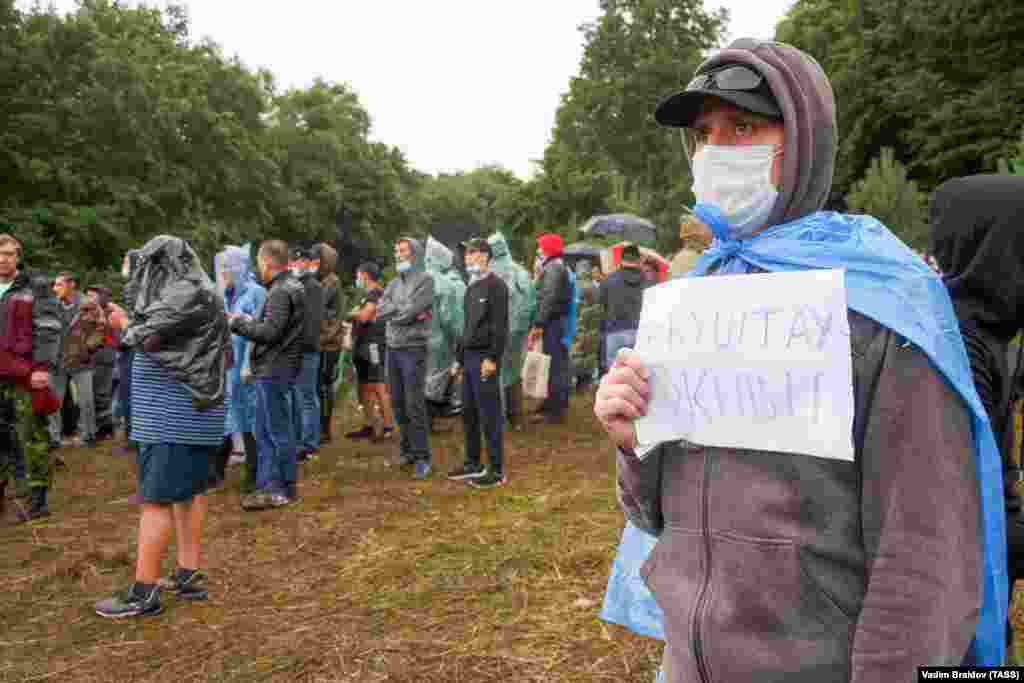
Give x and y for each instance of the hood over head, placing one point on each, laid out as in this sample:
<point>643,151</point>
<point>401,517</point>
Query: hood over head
<point>499,246</point>
<point>235,261</point>
<point>328,260</point>
<point>550,245</point>
<point>419,262</point>
<point>977,238</point>
<point>439,258</point>
<point>804,95</point>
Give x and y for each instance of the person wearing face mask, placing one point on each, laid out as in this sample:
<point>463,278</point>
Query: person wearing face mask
<point>774,566</point>
<point>480,351</point>
<point>324,263</point>
<point>407,309</point>
<point>369,342</point>
<point>305,394</point>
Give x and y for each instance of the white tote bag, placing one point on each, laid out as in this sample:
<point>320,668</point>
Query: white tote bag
<point>535,375</point>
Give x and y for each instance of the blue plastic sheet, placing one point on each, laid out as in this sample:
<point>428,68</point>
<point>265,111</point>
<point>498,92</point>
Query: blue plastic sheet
<point>888,283</point>
<point>627,601</point>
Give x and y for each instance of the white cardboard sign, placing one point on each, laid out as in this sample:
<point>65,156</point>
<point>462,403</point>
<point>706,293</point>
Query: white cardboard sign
<point>757,362</point>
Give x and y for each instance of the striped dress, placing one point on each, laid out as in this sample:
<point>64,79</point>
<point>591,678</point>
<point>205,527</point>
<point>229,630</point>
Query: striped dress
<point>162,410</point>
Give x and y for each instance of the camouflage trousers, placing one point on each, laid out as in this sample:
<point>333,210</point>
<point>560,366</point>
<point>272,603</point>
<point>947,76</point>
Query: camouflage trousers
<point>22,431</point>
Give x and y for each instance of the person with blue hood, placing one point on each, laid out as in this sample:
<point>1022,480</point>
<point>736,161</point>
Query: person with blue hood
<point>777,567</point>
<point>245,296</point>
<point>407,308</point>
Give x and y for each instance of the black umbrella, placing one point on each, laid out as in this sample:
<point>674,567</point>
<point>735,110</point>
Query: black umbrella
<point>620,225</point>
<point>581,251</point>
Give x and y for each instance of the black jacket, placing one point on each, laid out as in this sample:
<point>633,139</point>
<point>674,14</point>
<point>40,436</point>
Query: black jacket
<point>314,315</point>
<point>554,292</point>
<point>622,297</point>
<point>485,309</point>
<point>278,335</point>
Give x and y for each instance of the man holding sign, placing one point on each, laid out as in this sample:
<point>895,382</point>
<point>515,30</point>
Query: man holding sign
<point>802,434</point>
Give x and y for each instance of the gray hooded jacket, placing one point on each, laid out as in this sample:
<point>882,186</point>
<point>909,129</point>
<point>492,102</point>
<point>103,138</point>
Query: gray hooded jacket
<point>797,569</point>
<point>407,304</point>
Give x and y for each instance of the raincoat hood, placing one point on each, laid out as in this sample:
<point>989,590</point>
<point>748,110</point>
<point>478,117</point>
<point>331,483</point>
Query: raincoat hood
<point>418,264</point>
<point>804,94</point>
<point>328,262</point>
<point>439,258</point>
<point>235,262</point>
<point>499,246</point>
<point>175,300</point>
<point>978,241</point>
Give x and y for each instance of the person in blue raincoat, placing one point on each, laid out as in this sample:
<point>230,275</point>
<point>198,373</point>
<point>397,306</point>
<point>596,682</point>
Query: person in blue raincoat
<point>782,567</point>
<point>243,295</point>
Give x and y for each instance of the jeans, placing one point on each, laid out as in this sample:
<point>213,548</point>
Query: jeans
<point>103,387</point>
<point>482,406</point>
<point>276,466</point>
<point>124,389</point>
<point>558,375</point>
<point>407,377</point>
<point>614,341</point>
<point>306,404</point>
<point>83,381</point>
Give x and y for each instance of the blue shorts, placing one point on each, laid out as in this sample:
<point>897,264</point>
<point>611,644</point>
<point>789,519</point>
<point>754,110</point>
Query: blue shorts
<point>171,472</point>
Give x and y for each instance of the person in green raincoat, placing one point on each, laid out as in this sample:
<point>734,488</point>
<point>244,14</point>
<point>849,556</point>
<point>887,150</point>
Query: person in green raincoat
<point>447,321</point>
<point>522,305</point>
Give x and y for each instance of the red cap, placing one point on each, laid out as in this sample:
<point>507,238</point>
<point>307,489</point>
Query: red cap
<point>550,244</point>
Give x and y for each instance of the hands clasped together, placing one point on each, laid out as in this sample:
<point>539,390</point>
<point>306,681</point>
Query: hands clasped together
<point>622,398</point>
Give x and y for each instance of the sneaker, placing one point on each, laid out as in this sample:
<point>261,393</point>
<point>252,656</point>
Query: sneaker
<point>364,433</point>
<point>190,585</point>
<point>385,435</point>
<point>236,459</point>
<point>467,472</point>
<point>132,603</point>
<point>54,446</point>
<point>488,481</point>
<point>279,500</point>
<point>87,443</point>
<point>423,470</point>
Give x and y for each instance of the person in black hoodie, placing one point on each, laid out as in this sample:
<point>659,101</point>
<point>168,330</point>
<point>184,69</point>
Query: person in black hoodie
<point>622,297</point>
<point>978,242</point>
<point>306,390</point>
<point>480,352</point>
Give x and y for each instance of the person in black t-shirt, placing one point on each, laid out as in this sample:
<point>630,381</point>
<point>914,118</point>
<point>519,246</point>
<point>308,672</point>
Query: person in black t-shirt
<point>368,348</point>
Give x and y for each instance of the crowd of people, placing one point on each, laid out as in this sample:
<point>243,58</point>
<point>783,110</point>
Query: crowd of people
<point>244,367</point>
<point>767,564</point>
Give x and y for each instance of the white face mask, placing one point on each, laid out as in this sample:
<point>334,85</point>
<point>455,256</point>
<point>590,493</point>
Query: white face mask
<point>738,181</point>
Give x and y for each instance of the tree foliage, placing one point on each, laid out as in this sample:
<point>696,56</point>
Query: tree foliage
<point>890,196</point>
<point>941,83</point>
<point>115,126</point>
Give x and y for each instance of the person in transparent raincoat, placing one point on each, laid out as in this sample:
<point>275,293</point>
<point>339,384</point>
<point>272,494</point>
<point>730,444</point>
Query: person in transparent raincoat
<point>446,325</point>
<point>522,305</point>
<point>243,295</point>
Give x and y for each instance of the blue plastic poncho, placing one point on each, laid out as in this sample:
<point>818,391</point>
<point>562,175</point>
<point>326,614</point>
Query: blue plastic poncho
<point>243,294</point>
<point>887,283</point>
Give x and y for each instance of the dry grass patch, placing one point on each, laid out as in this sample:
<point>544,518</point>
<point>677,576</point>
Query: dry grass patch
<point>372,577</point>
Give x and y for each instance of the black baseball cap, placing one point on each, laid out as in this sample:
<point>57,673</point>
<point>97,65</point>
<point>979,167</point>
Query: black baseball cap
<point>737,84</point>
<point>478,244</point>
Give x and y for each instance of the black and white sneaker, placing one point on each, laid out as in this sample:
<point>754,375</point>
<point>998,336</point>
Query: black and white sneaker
<point>467,472</point>
<point>135,602</point>
<point>488,481</point>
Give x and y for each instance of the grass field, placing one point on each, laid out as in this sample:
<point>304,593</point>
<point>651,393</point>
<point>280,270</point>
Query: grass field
<point>372,577</point>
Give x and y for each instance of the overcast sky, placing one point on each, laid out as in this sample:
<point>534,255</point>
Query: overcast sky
<point>453,83</point>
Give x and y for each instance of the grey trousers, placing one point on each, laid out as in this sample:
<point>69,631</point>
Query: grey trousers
<point>82,381</point>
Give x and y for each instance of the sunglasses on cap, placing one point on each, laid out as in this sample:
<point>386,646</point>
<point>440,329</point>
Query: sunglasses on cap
<point>735,77</point>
